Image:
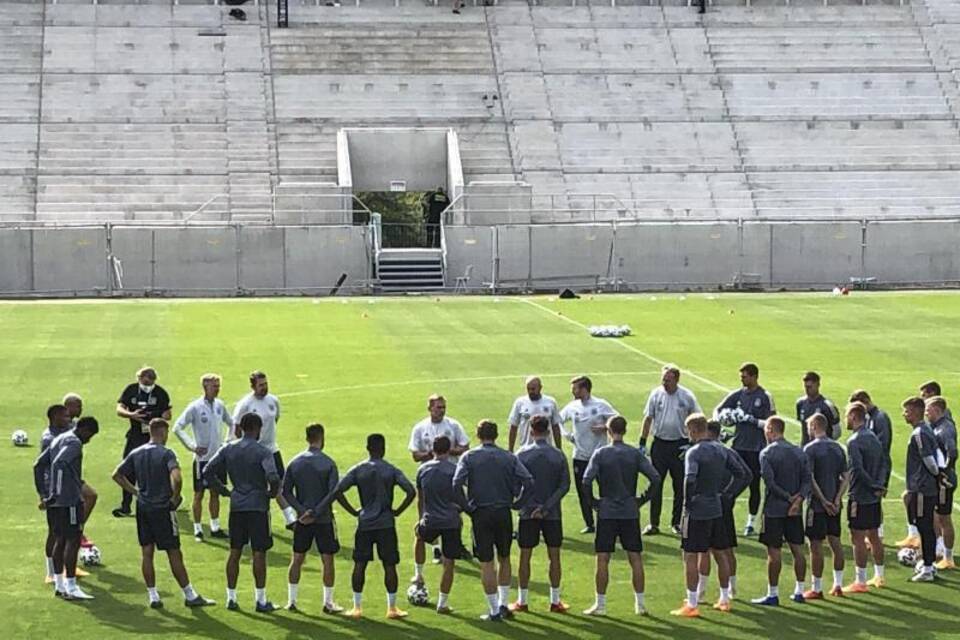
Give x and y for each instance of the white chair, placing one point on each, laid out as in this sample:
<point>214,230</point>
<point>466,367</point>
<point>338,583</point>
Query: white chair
<point>464,280</point>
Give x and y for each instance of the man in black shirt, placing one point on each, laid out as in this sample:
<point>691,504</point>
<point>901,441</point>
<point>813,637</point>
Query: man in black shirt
<point>434,203</point>
<point>140,402</point>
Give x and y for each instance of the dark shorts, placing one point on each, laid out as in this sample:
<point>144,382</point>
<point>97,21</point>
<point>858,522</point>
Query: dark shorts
<point>700,536</point>
<point>66,522</point>
<point>278,462</point>
<point>158,528</point>
<point>388,550</point>
<point>451,544</point>
<point>777,530</point>
<point>628,531</point>
<point>820,525</point>
<point>199,484</point>
<point>323,534</point>
<point>530,532</point>
<point>250,527</point>
<point>864,517</point>
<point>920,507</point>
<point>492,529</point>
<point>729,524</point>
<point>945,501</point>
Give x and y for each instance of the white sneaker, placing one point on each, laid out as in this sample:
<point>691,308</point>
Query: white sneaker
<point>595,610</point>
<point>923,576</point>
<point>77,594</point>
<point>640,611</point>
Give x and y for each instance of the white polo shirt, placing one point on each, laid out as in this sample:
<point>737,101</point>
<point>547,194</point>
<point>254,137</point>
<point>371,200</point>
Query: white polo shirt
<point>206,420</point>
<point>524,409</point>
<point>669,412</point>
<point>426,431</point>
<point>585,415</point>
<point>268,408</point>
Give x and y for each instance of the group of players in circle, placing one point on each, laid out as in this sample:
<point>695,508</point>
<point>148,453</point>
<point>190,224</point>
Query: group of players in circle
<point>236,457</point>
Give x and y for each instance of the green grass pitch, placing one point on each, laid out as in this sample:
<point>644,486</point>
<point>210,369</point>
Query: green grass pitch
<point>365,365</point>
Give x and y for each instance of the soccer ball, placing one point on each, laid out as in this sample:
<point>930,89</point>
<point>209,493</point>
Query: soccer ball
<point>20,438</point>
<point>907,557</point>
<point>418,595</point>
<point>90,556</point>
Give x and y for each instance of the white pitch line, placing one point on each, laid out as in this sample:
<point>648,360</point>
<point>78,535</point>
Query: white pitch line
<point>401,383</point>
<point>686,372</point>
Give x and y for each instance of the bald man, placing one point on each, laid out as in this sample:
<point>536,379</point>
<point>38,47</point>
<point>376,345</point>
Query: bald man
<point>526,407</point>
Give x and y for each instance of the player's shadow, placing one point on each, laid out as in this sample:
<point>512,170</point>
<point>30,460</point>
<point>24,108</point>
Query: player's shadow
<point>113,613</point>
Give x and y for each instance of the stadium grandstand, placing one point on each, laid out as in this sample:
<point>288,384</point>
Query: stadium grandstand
<point>192,147</point>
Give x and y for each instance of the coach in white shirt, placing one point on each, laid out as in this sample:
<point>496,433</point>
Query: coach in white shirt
<point>266,405</point>
<point>589,416</point>
<point>665,415</point>
<point>206,417</point>
<point>533,403</point>
<point>421,448</point>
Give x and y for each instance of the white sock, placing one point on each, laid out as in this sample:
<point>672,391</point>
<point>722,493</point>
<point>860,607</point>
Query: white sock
<point>702,583</point>
<point>71,584</point>
<point>197,528</point>
<point>327,595</point>
<point>928,568</point>
<point>773,591</point>
<point>733,584</point>
<point>418,571</point>
<point>522,595</point>
<point>214,524</point>
<point>59,582</point>
<point>751,518</point>
<point>912,531</point>
<point>880,531</point>
<point>861,574</point>
<point>49,567</point>
<point>877,570</point>
<point>442,600</point>
<point>800,587</point>
<point>948,554</point>
<point>188,592</point>
<point>817,584</point>
<point>261,595</point>
<point>504,593</point>
<point>693,598</point>
<point>357,599</point>
<point>838,577</point>
<point>152,594</point>
<point>292,592</point>
<point>392,599</point>
<point>554,595</point>
<point>940,546</point>
<point>493,603</point>
<point>231,594</point>
<point>289,515</point>
<point>601,600</point>
<point>638,599</point>
<point>724,594</point>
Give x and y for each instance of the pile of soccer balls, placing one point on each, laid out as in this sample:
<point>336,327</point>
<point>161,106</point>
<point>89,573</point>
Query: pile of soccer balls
<point>731,417</point>
<point>418,595</point>
<point>609,331</point>
<point>90,556</point>
<point>20,438</point>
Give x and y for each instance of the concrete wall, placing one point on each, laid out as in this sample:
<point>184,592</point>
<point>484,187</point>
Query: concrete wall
<point>377,156</point>
<point>237,259</point>
<point>225,260</point>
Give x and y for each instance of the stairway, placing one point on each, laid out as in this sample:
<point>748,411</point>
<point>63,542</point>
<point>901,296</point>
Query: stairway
<point>410,270</point>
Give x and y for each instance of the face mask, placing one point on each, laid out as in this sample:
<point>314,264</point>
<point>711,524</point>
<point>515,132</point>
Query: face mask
<point>147,388</point>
